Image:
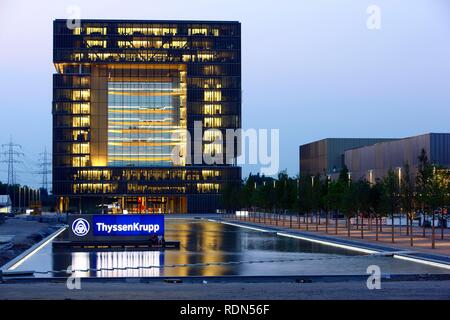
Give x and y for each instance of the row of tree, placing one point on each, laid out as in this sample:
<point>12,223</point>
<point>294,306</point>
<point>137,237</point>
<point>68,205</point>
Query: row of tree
<point>425,192</point>
<point>23,197</point>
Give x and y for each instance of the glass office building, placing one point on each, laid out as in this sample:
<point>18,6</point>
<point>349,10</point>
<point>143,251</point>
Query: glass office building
<point>124,95</point>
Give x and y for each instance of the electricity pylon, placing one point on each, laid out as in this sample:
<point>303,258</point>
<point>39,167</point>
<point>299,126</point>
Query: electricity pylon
<point>12,156</point>
<point>44,164</point>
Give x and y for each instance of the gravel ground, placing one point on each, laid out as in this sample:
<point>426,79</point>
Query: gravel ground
<point>410,290</point>
<point>26,233</point>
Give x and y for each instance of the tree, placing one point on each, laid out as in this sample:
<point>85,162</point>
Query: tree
<point>264,196</point>
<point>435,195</point>
<point>305,203</point>
<point>286,192</point>
<point>390,197</point>
<point>325,200</point>
<point>349,204</point>
<point>316,198</point>
<point>231,197</point>
<point>424,172</point>
<point>248,191</point>
<point>334,199</point>
<point>362,201</point>
<point>375,204</point>
<point>407,193</point>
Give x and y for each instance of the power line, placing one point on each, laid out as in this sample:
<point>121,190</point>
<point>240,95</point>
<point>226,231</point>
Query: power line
<point>45,165</point>
<point>12,157</point>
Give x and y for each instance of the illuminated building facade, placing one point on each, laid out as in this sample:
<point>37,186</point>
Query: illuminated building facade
<point>124,93</point>
<point>326,156</point>
<point>373,162</point>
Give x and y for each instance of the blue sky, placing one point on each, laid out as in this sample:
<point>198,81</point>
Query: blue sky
<point>310,68</point>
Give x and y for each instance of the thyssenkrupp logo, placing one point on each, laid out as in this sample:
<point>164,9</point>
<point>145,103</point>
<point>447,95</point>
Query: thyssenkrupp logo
<point>80,227</point>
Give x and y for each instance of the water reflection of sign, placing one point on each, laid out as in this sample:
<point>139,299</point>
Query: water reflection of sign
<point>128,225</point>
<point>117,264</point>
<point>126,264</point>
<point>80,227</point>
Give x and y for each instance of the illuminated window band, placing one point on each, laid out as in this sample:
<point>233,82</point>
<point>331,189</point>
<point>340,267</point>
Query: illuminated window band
<point>142,117</point>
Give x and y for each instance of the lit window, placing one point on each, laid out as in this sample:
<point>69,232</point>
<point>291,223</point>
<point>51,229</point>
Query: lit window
<point>178,44</point>
<point>80,135</point>
<point>82,108</point>
<point>208,187</point>
<point>156,31</point>
<point>206,174</point>
<point>81,121</point>
<point>96,43</point>
<point>212,122</point>
<point>96,31</point>
<point>81,95</point>
<point>213,149</point>
<point>205,57</point>
<point>77,56</point>
<point>198,31</point>
<point>212,109</point>
<point>212,135</point>
<point>82,161</point>
<point>80,148</point>
<point>213,95</point>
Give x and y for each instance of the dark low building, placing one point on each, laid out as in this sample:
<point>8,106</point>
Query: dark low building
<point>327,156</point>
<point>5,204</point>
<point>374,161</point>
<point>121,90</point>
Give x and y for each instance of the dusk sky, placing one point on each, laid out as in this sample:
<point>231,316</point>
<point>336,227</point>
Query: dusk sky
<point>311,69</point>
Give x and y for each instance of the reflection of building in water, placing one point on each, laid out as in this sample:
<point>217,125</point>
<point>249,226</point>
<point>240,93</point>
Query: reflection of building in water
<point>206,244</point>
<point>80,262</point>
<point>130,259</point>
<point>214,243</point>
<point>118,261</point>
<point>200,242</point>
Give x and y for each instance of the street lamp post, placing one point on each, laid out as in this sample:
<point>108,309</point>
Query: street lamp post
<point>399,194</point>
<point>20,189</point>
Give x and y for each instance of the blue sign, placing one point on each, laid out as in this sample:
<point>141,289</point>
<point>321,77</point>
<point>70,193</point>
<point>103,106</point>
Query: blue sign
<point>128,225</point>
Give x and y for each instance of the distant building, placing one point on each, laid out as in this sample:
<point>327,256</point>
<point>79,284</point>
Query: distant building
<point>374,161</point>
<point>5,204</point>
<point>327,156</point>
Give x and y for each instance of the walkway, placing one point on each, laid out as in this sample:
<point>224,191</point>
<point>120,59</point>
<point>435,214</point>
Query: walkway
<point>421,248</point>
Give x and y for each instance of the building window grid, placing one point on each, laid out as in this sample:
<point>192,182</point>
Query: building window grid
<point>212,114</point>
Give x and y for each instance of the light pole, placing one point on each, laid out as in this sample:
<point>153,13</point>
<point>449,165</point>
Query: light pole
<point>20,189</point>
<point>399,194</point>
<point>371,182</point>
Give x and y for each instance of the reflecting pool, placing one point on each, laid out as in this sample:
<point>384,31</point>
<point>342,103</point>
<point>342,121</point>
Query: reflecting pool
<point>207,242</point>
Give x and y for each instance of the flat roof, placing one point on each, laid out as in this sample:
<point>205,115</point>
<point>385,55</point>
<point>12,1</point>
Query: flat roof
<point>387,139</point>
<point>401,139</point>
<point>154,21</point>
<point>325,139</point>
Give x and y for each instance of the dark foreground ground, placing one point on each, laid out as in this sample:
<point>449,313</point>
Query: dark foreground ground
<point>23,235</point>
<point>228,291</point>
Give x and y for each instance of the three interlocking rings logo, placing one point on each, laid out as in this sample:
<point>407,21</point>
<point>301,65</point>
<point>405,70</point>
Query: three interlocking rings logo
<point>80,227</point>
